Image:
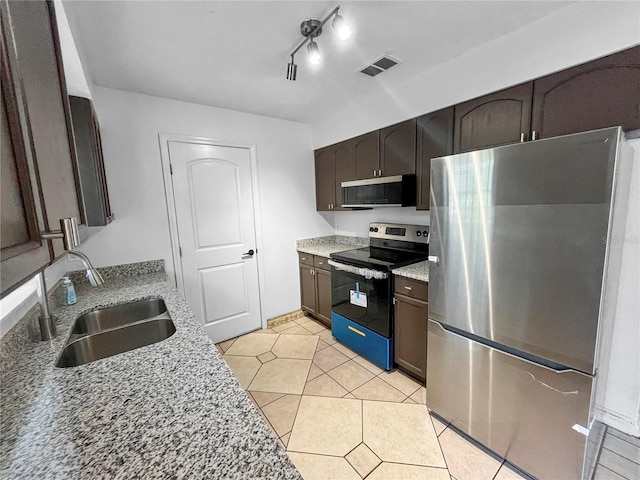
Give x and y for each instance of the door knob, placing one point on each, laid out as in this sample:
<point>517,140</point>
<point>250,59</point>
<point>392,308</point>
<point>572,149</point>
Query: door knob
<point>249,253</point>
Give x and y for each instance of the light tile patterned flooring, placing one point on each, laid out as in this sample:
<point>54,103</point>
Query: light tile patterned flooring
<point>341,417</point>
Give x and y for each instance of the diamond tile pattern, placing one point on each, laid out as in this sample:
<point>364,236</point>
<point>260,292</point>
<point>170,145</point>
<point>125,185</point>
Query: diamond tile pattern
<point>340,416</point>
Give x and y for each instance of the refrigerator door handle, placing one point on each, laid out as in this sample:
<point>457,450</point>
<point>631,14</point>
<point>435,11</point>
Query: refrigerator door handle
<point>433,259</point>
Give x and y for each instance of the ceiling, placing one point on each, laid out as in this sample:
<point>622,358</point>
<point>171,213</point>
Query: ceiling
<point>234,54</point>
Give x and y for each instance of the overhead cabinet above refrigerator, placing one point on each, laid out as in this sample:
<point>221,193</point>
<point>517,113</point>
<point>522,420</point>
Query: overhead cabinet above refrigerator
<point>519,248</point>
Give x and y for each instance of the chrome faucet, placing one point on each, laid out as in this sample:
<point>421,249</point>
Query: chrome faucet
<point>46,320</point>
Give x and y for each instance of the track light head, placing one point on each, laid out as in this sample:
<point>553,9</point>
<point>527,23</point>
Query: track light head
<point>292,70</point>
<point>341,26</point>
<point>314,52</point>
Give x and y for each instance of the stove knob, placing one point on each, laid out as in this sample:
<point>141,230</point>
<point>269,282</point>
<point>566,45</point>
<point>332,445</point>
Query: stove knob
<point>418,233</point>
<point>375,229</point>
<point>371,229</point>
<point>425,233</point>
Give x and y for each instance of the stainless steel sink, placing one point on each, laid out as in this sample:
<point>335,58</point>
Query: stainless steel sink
<point>109,331</point>
<point>119,315</point>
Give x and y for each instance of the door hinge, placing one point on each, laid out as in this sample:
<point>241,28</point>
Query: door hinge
<point>170,169</point>
<point>394,300</point>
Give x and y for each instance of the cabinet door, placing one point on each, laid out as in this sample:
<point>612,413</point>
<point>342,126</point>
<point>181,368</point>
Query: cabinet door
<point>410,343</point>
<point>599,94</point>
<point>398,149</point>
<point>323,296</point>
<point>496,119</point>
<point>22,253</point>
<point>366,154</point>
<point>434,139</point>
<point>36,38</point>
<point>324,179</point>
<point>344,170</point>
<point>307,288</point>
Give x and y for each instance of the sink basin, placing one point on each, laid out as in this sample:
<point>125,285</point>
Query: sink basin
<point>119,315</point>
<point>111,342</point>
<point>108,331</point>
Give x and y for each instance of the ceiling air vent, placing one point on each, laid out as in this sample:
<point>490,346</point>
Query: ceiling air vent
<point>380,65</point>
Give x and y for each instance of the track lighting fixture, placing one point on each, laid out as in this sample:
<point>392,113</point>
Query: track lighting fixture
<point>312,28</point>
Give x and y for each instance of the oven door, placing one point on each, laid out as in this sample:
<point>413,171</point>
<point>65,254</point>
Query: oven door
<point>363,296</point>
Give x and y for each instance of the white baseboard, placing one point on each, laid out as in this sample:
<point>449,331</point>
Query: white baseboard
<point>618,421</point>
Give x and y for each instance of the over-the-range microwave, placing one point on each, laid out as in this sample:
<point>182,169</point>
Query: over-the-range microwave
<point>395,191</point>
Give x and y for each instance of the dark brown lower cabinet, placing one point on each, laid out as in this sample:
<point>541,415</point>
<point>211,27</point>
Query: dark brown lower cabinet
<point>315,287</point>
<point>410,331</point>
<point>323,296</point>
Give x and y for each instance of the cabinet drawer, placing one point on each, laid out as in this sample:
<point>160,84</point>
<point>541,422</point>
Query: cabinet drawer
<point>305,258</point>
<point>321,262</point>
<point>411,288</point>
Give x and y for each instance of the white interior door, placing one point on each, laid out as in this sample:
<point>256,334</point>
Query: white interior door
<point>212,188</point>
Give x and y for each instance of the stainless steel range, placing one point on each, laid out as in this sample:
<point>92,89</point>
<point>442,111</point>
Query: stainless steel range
<point>362,288</point>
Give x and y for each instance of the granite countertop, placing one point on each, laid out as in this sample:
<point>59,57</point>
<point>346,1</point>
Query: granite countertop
<point>325,246</point>
<point>417,271</point>
<point>167,410</point>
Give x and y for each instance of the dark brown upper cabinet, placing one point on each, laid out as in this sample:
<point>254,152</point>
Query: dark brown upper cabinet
<point>599,94</point>
<point>93,182</point>
<point>34,29</point>
<point>22,252</point>
<point>334,165</point>
<point>325,179</point>
<point>39,170</point>
<point>366,155</point>
<point>434,139</point>
<point>496,119</point>
<point>344,170</point>
<point>398,149</point>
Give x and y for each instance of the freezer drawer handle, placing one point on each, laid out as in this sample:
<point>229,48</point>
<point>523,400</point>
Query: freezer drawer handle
<point>356,330</point>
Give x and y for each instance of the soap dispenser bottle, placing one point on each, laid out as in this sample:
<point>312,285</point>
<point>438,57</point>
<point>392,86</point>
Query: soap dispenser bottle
<point>69,291</point>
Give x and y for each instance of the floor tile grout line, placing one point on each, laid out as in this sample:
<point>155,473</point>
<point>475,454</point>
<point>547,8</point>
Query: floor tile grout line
<point>439,444</point>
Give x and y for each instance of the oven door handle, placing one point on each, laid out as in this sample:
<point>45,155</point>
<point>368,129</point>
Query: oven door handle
<point>367,273</point>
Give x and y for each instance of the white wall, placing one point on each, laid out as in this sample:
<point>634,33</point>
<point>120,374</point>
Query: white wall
<point>130,124</point>
<point>74,73</point>
<point>576,34</point>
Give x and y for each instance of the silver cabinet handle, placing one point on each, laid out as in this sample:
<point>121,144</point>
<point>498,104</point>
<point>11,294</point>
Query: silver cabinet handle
<point>408,288</point>
<point>433,259</point>
<point>320,263</point>
<point>379,173</point>
<point>534,135</point>
<point>303,258</point>
<point>374,173</point>
<point>521,137</point>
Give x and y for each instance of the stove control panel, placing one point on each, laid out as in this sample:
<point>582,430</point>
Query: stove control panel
<point>394,231</point>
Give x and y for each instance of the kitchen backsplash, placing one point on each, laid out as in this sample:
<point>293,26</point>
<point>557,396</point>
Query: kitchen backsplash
<point>356,223</point>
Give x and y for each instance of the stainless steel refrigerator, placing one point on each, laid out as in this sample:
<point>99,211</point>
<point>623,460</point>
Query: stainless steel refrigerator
<point>518,260</point>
